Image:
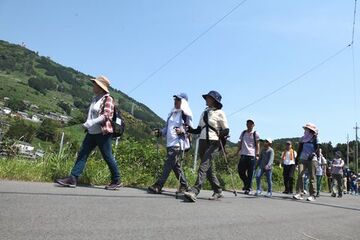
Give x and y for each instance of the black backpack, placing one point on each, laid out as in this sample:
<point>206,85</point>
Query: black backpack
<point>117,121</point>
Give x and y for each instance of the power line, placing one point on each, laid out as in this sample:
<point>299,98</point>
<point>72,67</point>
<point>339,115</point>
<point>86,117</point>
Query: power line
<point>353,30</point>
<point>187,46</point>
<point>292,81</point>
<point>353,62</point>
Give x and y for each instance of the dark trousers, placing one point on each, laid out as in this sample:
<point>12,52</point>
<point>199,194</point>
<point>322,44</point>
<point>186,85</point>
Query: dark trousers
<point>288,174</point>
<point>88,145</point>
<point>246,170</point>
<point>172,163</point>
<point>206,150</point>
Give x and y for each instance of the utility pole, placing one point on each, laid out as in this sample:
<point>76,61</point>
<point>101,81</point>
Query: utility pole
<point>356,148</point>
<point>347,151</point>
<point>132,109</point>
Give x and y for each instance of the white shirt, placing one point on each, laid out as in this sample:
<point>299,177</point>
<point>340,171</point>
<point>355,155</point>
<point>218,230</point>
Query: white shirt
<point>217,119</point>
<point>287,160</point>
<point>175,121</point>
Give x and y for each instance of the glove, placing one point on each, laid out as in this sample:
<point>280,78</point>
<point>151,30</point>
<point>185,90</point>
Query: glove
<point>189,129</point>
<point>87,124</point>
<point>224,133</point>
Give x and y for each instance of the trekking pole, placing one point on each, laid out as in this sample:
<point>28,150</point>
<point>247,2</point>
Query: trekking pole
<point>228,168</point>
<point>182,149</point>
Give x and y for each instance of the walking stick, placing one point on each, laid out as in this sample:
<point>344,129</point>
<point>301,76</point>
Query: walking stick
<point>182,149</point>
<point>228,168</point>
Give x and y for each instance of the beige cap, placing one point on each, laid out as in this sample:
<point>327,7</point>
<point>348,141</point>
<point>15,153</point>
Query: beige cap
<point>102,82</point>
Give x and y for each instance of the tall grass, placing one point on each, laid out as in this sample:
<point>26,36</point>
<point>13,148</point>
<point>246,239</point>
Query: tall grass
<point>139,165</point>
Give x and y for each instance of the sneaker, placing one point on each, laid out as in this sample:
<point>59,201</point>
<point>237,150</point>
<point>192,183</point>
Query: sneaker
<point>257,193</point>
<point>305,192</point>
<point>311,199</point>
<point>67,182</point>
<point>269,195</point>
<point>298,196</point>
<point>340,196</point>
<point>190,196</point>
<point>114,185</point>
<point>247,192</point>
<point>216,196</point>
<point>154,189</point>
<point>317,194</point>
<point>182,189</point>
<point>333,194</point>
<point>285,192</point>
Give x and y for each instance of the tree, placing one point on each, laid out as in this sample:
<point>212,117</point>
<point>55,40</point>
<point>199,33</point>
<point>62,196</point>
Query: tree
<point>16,105</point>
<point>49,130</point>
<point>65,107</point>
<point>21,130</point>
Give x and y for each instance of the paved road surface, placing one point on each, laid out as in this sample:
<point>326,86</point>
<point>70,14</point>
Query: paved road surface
<point>44,211</point>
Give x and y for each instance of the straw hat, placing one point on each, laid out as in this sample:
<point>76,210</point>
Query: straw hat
<point>312,127</point>
<point>102,82</point>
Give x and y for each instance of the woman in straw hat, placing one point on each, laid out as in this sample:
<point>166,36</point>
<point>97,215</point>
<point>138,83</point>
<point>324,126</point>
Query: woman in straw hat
<point>212,127</point>
<point>99,133</point>
<point>307,160</point>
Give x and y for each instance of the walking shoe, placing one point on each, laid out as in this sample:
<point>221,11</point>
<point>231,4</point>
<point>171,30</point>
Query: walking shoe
<point>317,194</point>
<point>69,181</point>
<point>311,199</point>
<point>114,185</point>
<point>154,189</point>
<point>305,192</point>
<point>190,196</point>
<point>216,196</point>
<point>257,193</point>
<point>269,195</point>
<point>285,192</point>
<point>182,189</point>
<point>298,196</point>
<point>247,192</point>
<point>340,196</point>
<point>333,194</point>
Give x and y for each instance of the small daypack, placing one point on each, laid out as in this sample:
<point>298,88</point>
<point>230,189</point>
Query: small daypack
<point>223,139</point>
<point>117,121</point>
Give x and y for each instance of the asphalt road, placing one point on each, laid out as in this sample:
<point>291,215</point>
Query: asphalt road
<point>45,211</point>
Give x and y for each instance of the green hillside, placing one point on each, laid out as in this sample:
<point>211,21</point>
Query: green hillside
<point>24,75</point>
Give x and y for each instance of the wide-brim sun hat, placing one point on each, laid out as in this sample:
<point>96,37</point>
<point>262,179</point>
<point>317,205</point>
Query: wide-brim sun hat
<point>181,96</point>
<point>312,127</point>
<point>215,95</point>
<point>103,82</point>
<point>269,140</point>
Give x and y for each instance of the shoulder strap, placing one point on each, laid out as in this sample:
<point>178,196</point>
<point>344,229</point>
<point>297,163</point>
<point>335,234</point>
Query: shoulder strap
<point>103,104</point>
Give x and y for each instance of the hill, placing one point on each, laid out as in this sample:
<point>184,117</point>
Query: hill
<point>49,87</point>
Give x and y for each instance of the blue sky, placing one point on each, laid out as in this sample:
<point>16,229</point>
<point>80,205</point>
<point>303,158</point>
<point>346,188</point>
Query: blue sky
<point>255,50</point>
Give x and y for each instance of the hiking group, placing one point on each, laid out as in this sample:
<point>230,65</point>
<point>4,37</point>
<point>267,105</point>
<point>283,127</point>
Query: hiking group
<point>213,131</point>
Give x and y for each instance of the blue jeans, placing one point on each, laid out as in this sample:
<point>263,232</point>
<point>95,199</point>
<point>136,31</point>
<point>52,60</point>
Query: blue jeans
<point>268,174</point>
<point>104,144</point>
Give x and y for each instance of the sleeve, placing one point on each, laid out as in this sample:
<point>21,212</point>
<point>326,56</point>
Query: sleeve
<point>271,157</point>
<point>108,108</point>
<point>257,136</point>
<point>223,121</point>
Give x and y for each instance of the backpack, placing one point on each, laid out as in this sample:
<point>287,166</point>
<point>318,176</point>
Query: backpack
<point>117,121</point>
<point>223,139</point>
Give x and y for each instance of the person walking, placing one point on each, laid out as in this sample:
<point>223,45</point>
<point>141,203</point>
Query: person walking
<point>320,171</point>
<point>249,148</point>
<point>288,162</point>
<point>213,127</point>
<point>264,165</point>
<point>177,142</point>
<point>99,131</point>
<point>337,175</point>
<point>308,153</point>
